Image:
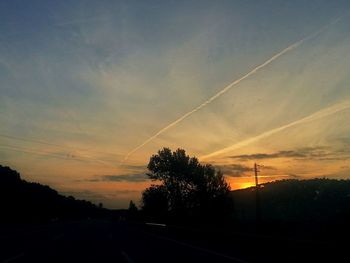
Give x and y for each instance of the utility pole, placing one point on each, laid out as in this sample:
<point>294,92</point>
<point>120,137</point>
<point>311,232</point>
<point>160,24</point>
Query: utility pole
<point>256,174</point>
<point>257,198</point>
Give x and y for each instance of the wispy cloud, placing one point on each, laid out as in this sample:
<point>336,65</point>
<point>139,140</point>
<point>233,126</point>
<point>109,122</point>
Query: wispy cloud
<point>98,197</point>
<point>81,21</point>
<point>234,170</point>
<point>239,170</point>
<point>65,151</point>
<point>280,154</point>
<point>120,178</point>
<point>231,85</point>
<point>294,176</point>
<point>325,112</point>
<point>85,194</point>
<point>134,167</point>
<point>310,153</point>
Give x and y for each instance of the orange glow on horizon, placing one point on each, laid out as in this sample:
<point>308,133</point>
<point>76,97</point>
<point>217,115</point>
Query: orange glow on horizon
<point>246,185</point>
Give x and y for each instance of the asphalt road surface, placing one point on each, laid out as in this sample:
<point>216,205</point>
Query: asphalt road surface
<point>99,241</point>
<point>107,241</point>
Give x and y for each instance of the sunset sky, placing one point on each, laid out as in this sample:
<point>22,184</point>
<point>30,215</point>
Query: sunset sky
<point>91,89</point>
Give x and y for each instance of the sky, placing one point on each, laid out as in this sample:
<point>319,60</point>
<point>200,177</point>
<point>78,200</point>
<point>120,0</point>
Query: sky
<point>89,90</point>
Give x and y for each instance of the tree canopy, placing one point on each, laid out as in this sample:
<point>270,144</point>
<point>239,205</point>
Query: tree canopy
<point>184,186</point>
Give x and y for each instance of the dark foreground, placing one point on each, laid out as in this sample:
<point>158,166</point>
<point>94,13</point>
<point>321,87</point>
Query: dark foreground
<point>109,241</point>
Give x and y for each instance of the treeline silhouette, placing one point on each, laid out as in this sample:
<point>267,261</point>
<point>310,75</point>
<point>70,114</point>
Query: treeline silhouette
<point>313,200</point>
<point>22,201</point>
<point>197,206</point>
<point>190,194</point>
<point>186,192</point>
<point>314,208</point>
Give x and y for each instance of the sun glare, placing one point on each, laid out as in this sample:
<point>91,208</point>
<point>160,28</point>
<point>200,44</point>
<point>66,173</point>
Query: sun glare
<point>246,185</point>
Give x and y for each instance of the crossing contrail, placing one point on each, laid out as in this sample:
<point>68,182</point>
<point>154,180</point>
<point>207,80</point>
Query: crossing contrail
<point>312,117</point>
<point>234,83</point>
<point>83,153</point>
<point>64,156</point>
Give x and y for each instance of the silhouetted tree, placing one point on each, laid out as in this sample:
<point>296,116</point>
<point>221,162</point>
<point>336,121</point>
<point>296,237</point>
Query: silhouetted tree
<point>132,213</point>
<point>155,200</point>
<point>132,207</point>
<point>186,186</point>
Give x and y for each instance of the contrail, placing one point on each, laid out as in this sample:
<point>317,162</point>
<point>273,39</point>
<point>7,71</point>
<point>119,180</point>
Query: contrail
<point>312,117</point>
<point>81,152</point>
<point>63,156</point>
<point>234,83</point>
<point>54,144</point>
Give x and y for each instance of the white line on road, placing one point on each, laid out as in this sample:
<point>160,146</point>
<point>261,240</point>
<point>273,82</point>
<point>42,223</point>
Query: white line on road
<point>13,258</point>
<point>156,224</point>
<point>128,259</point>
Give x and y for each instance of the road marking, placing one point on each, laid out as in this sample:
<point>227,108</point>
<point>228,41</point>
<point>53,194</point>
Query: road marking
<point>128,259</point>
<point>13,258</point>
<point>199,248</point>
<point>156,224</point>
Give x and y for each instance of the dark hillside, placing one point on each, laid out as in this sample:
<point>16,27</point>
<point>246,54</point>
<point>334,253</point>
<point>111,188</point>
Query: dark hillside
<point>316,200</point>
<point>22,201</point>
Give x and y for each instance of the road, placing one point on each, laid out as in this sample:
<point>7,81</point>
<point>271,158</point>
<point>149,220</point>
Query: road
<point>108,241</point>
<point>99,241</point>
